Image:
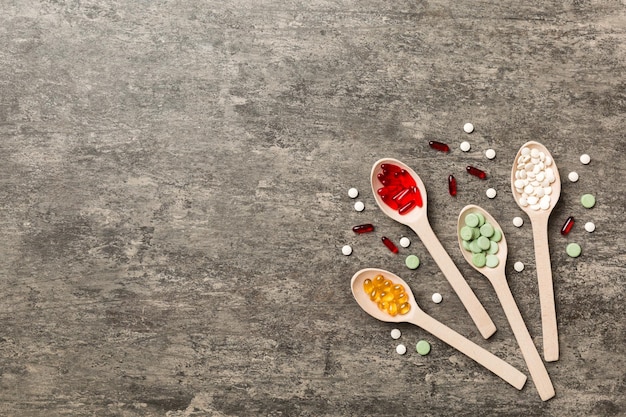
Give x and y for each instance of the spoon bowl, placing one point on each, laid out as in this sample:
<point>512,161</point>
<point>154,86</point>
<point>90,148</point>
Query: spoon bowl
<point>539,221</point>
<point>419,318</point>
<point>497,277</point>
<point>417,219</point>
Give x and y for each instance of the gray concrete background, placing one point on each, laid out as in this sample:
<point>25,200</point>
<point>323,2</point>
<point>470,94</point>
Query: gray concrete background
<point>173,200</point>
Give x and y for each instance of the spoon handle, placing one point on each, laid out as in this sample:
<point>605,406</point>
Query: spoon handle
<point>535,365</point>
<point>477,312</point>
<point>472,350</point>
<point>546,289</point>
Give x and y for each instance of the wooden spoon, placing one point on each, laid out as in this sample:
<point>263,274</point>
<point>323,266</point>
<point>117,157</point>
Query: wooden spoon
<point>539,221</point>
<point>497,277</point>
<point>419,318</point>
<point>417,220</point>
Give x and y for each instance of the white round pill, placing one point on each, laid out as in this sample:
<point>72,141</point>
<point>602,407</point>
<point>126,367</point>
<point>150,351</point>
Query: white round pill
<point>353,193</point>
<point>400,349</point>
<point>491,192</point>
<point>396,333</point>
<point>405,242</point>
<point>465,146</point>
<point>437,298</point>
<point>359,206</point>
<point>519,266</point>
<point>490,153</point>
<point>573,176</point>
<point>590,227</point>
<point>585,159</point>
<point>518,221</point>
<point>468,127</point>
<point>346,250</point>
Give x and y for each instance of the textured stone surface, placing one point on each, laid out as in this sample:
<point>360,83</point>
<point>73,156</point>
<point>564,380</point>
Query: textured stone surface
<point>173,194</point>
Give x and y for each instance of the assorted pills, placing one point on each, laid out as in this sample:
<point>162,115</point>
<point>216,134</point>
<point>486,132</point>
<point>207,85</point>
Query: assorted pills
<point>588,201</point>
<point>490,154</point>
<point>390,298</point>
<point>518,221</point>
<point>399,189</point>
<point>400,349</point>
<point>468,128</point>
<point>437,298</point>
<point>573,250</point>
<point>353,193</point>
<point>405,242</point>
<point>534,178</point>
<point>518,266</point>
<point>465,146</point>
<point>590,227</point>
<point>422,347</point>
<point>572,176</point>
<point>491,192</point>
<point>359,206</point>
<point>585,159</point>
<point>395,334</point>
<point>481,238</point>
<point>412,262</point>
<point>346,250</point>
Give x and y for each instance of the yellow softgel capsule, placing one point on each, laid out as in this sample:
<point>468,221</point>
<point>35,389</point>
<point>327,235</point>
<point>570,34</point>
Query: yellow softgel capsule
<point>404,308</point>
<point>378,280</point>
<point>402,298</point>
<point>368,286</point>
<point>387,296</point>
<point>397,289</point>
<point>392,309</point>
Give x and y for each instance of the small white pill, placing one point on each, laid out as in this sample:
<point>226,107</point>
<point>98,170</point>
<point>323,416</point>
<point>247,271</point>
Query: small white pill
<point>518,221</point>
<point>400,349</point>
<point>519,266</point>
<point>346,250</point>
<point>353,193</point>
<point>590,227</point>
<point>437,298</point>
<point>468,127</point>
<point>491,192</point>
<point>490,153</point>
<point>573,176</point>
<point>396,333</point>
<point>585,159</point>
<point>359,206</point>
<point>465,146</point>
<point>405,242</point>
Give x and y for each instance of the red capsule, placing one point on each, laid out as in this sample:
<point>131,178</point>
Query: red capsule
<point>440,146</point>
<point>476,172</point>
<point>387,242</point>
<point>452,185</point>
<point>567,226</point>
<point>363,228</point>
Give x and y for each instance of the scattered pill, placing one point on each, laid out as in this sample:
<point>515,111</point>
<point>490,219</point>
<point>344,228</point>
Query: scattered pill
<point>468,128</point>
<point>476,172</point>
<point>452,185</point>
<point>440,146</point>
<point>585,159</point>
<point>359,206</point>
<point>518,221</point>
<point>412,262</point>
<point>353,193</point>
<point>363,228</point>
<point>396,333</point>
<point>465,146</point>
<point>400,349</point>
<point>518,266</point>
<point>573,176</point>
<point>437,298</point>
<point>588,200</point>
<point>490,153</point>
<point>590,227</point>
<point>567,226</point>
<point>346,250</point>
<point>491,192</point>
<point>573,250</point>
<point>390,245</point>
<point>422,347</point>
<point>405,242</point>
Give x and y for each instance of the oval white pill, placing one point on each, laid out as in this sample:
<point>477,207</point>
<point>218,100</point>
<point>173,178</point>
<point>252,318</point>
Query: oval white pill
<point>359,206</point>
<point>490,153</point>
<point>491,192</point>
<point>465,146</point>
<point>590,227</point>
<point>346,250</point>
<point>519,266</point>
<point>573,176</point>
<point>405,242</point>
<point>468,127</point>
<point>585,159</point>
<point>353,193</point>
<point>518,221</point>
<point>437,298</point>
<point>396,333</point>
<point>400,349</point>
